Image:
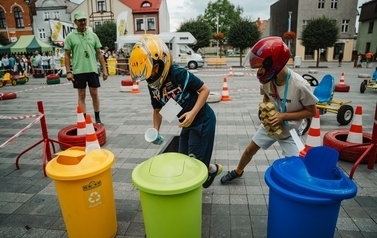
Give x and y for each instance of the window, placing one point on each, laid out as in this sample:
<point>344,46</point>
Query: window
<point>370,28</point>
<point>151,23</point>
<point>321,3</point>
<point>345,26</point>
<point>334,4</point>
<point>146,4</point>
<point>304,23</point>
<point>3,23</point>
<point>101,6</point>
<point>139,24</point>
<point>97,23</point>
<point>42,33</point>
<point>56,15</point>
<point>18,18</point>
<point>46,15</point>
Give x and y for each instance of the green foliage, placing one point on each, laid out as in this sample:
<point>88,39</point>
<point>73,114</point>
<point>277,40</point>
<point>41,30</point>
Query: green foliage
<point>199,29</point>
<point>107,34</point>
<point>4,40</point>
<point>320,33</point>
<point>226,12</point>
<point>243,34</point>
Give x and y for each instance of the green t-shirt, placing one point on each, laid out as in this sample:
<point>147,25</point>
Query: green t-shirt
<point>78,44</point>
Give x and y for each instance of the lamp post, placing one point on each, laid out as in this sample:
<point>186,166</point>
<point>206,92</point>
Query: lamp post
<point>217,32</point>
<point>289,28</point>
<point>145,24</point>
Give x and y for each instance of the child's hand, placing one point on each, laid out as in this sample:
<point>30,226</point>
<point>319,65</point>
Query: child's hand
<point>277,119</point>
<point>188,119</point>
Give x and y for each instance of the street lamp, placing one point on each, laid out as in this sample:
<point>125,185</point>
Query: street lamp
<point>217,32</point>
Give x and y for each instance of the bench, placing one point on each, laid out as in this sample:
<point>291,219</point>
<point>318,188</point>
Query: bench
<point>216,61</point>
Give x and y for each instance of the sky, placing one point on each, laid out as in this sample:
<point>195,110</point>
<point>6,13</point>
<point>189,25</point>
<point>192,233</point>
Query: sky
<point>182,10</point>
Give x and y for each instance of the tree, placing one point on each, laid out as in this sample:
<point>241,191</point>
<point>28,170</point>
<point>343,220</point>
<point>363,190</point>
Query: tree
<point>243,34</point>
<point>107,34</point>
<point>320,33</point>
<point>223,11</point>
<point>199,29</point>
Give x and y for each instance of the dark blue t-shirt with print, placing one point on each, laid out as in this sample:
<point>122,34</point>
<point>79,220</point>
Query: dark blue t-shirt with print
<point>175,83</point>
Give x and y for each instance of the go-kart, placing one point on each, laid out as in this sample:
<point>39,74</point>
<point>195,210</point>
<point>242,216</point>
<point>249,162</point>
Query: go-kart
<point>311,80</point>
<point>11,77</point>
<point>368,84</point>
<point>324,92</point>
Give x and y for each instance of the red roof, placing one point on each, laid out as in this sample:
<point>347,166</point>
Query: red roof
<point>135,5</point>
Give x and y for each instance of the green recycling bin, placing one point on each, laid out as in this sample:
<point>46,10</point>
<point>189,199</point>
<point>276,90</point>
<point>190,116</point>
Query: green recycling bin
<point>84,187</point>
<point>170,186</point>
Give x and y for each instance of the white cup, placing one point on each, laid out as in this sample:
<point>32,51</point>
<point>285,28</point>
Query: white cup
<point>151,135</point>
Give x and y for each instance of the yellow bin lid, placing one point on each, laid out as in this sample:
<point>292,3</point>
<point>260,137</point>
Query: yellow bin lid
<point>169,174</point>
<point>74,163</point>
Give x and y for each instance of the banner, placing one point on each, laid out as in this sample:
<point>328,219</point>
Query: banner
<point>60,30</point>
<point>122,24</point>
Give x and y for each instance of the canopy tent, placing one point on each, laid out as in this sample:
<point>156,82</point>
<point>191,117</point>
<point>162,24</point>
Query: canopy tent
<point>26,44</point>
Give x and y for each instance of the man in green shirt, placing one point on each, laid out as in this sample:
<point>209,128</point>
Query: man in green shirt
<point>82,48</point>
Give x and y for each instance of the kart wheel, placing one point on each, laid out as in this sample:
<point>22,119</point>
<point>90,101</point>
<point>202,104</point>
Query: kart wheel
<point>363,87</point>
<point>26,78</point>
<point>1,84</point>
<point>14,82</point>
<point>69,136</point>
<point>337,139</point>
<point>305,125</point>
<point>345,114</point>
<point>311,80</point>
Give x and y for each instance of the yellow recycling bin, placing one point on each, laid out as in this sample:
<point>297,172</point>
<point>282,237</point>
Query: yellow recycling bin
<point>84,187</point>
<point>111,66</point>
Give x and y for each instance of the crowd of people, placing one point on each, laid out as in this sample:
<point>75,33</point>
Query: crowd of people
<point>46,63</point>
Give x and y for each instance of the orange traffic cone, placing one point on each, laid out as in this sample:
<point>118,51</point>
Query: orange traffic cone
<point>91,141</point>
<point>225,92</point>
<point>341,81</point>
<point>314,135</point>
<point>81,124</point>
<point>135,87</point>
<point>355,135</point>
<point>231,71</point>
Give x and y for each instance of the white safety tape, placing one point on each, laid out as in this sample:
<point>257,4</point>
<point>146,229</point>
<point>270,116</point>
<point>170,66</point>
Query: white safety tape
<point>18,117</point>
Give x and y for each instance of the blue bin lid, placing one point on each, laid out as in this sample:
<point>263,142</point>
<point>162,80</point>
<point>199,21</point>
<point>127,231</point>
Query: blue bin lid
<point>292,174</point>
<point>169,174</point>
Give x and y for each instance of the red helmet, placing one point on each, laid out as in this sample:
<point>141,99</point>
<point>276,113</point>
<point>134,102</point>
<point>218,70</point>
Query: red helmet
<point>271,54</point>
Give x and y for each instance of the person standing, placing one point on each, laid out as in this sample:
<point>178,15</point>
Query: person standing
<point>368,58</point>
<point>340,58</point>
<point>287,90</point>
<point>82,48</point>
<point>176,90</point>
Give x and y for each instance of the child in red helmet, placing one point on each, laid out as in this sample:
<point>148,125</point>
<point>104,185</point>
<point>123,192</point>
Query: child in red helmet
<point>291,94</point>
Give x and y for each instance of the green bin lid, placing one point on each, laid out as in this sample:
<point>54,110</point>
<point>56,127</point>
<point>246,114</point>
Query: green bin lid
<point>74,163</point>
<point>169,174</point>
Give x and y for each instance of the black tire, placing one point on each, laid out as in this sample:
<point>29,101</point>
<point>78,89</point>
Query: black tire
<point>192,65</point>
<point>345,115</point>
<point>311,80</point>
<point>363,86</point>
<point>305,125</point>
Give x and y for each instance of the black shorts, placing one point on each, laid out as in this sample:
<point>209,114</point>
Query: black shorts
<point>81,80</point>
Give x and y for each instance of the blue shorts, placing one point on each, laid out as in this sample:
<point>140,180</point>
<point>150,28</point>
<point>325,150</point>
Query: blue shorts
<point>264,141</point>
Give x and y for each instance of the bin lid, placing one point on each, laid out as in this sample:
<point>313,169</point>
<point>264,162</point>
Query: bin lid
<point>74,163</point>
<point>169,174</point>
<point>292,174</point>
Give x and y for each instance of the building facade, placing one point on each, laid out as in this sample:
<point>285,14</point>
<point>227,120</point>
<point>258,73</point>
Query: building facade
<point>295,14</point>
<point>15,19</point>
<point>367,34</point>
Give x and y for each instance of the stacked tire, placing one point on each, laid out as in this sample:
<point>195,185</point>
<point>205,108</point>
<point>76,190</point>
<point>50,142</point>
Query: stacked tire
<point>53,79</point>
<point>69,136</point>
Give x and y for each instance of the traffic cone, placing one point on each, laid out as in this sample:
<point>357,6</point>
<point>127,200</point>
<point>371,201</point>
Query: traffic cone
<point>341,81</point>
<point>81,124</point>
<point>230,72</point>
<point>314,135</point>
<point>225,92</point>
<point>135,87</point>
<point>91,141</point>
<point>355,135</point>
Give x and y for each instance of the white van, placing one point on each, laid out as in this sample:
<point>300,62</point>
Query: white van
<point>183,55</point>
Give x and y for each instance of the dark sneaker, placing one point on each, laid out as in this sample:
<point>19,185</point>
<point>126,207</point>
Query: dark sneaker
<point>212,176</point>
<point>98,121</point>
<point>230,176</point>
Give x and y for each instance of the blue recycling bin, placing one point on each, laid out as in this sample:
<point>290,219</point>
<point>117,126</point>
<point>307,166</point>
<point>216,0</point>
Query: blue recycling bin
<point>305,195</point>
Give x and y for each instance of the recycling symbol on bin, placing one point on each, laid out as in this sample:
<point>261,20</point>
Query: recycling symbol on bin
<point>94,197</point>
